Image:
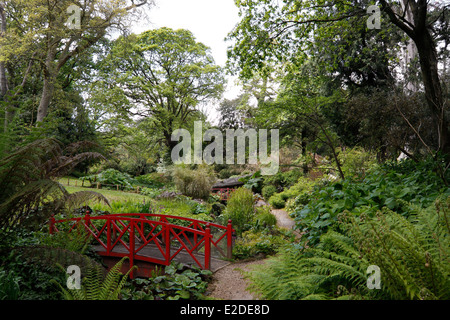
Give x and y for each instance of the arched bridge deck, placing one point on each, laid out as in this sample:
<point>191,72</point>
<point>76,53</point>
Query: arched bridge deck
<point>156,238</point>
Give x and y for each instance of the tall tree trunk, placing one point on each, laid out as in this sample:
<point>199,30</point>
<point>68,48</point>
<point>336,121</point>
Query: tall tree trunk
<point>419,32</point>
<point>433,90</point>
<point>3,80</point>
<point>49,84</point>
<point>46,97</point>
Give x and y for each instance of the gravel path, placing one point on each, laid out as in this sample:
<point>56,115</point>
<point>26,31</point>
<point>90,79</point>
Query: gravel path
<point>229,282</point>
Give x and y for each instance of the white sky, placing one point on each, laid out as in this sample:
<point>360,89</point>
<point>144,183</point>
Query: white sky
<point>209,20</point>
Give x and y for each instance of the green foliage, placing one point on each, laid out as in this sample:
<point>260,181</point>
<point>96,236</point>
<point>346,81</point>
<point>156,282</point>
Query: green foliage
<point>194,183</point>
<point>313,273</point>
<point>177,282</point>
<point>77,240</point>
<point>301,189</point>
<point>27,178</point>
<point>277,201</point>
<point>356,162</point>
<point>412,253</point>
<point>95,286</point>
<point>260,242</point>
<point>240,209</point>
<point>283,180</point>
<point>268,191</point>
<point>110,178</point>
<point>253,182</point>
<point>181,206</point>
<point>390,185</point>
<point>153,180</point>
<point>9,285</point>
<point>264,218</point>
<point>26,272</point>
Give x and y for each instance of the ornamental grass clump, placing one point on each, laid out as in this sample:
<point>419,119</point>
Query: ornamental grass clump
<point>240,209</point>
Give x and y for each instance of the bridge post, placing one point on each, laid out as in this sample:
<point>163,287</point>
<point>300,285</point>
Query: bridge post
<point>132,248</point>
<point>229,240</point>
<point>87,220</point>
<point>167,241</point>
<point>207,247</point>
<point>52,224</point>
<point>108,236</point>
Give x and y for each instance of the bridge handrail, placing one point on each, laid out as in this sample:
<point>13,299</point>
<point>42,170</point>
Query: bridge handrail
<point>211,224</point>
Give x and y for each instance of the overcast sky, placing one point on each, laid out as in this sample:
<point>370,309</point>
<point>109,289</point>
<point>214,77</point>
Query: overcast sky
<point>209,20</point>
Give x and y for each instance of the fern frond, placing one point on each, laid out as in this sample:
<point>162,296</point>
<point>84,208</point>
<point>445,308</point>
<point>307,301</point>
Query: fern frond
<point>95,286</point>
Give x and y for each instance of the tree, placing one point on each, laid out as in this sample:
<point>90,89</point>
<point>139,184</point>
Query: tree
<point>163,75</point>
<point>270,32</point>
<point>52,33</point>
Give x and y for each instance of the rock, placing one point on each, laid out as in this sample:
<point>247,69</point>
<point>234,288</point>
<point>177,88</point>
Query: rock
<point>167,195</point>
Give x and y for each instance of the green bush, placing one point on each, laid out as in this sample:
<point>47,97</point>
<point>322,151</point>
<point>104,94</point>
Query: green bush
<point>153,180</point>
<point>240,209</point>
<point>110,178</point>
<point>277,201</point>
<point>9,285</point>
<point>194,183</point>
<point>264,218</point>
<point>24,278</point>
<point>303,186</point>
<point>356,161</point>
<point>268,191</point>
<point>259,242</point>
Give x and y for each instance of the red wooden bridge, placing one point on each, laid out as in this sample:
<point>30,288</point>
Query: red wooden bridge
<point>155,238</point>
<point>223,193</point>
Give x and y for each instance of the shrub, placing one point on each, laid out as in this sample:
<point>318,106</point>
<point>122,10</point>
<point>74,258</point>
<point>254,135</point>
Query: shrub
<point>356,161</point>
<point>264,218</point>
<point>194,183</point>
<point>111,178</point>
<point>153,180</point>
<point>259,242</point>
<point>303,186</point>
<point>240,209</point>
<point>277,201</point>
<point>96,286</point>
<point>268,191</point>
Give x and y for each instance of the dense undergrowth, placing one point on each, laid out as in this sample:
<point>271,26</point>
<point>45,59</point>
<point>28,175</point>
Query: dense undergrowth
<point>397,217</point>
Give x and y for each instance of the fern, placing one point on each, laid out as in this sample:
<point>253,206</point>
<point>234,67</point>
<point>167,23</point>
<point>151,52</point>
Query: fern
<point>29,186</point>
<point>50,256</point>
<point>412,253</point>
<point>312,273</point>
<point>97,287</point>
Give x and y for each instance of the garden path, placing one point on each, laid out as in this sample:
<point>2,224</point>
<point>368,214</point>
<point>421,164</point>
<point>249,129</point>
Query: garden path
<point>229,282</point>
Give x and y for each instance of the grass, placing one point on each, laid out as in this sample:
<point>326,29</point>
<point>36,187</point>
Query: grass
<point>112,195</point>
<point>121,202</point>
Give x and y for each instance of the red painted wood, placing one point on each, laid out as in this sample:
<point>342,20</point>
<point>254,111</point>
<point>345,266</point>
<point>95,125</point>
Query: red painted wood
<point>117,227</point>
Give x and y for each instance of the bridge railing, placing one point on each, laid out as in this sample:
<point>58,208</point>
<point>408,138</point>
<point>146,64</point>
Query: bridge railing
<point>134,234</point>
<point>223,193</point>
